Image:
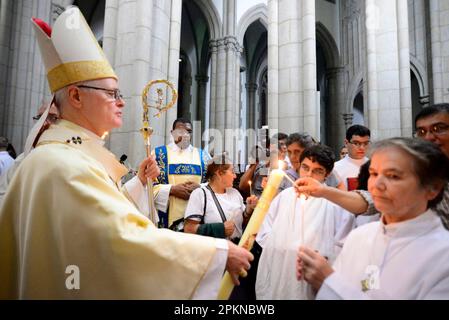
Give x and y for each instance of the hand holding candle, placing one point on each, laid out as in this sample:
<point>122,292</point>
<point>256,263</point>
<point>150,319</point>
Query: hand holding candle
<point>254,224</point>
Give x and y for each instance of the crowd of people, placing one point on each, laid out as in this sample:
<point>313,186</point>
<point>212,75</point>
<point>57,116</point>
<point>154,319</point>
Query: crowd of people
<point>372,225</point>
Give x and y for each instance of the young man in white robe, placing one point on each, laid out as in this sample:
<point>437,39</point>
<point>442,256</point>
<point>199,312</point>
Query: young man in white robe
<point>293,221</point>
<point>66,230</point>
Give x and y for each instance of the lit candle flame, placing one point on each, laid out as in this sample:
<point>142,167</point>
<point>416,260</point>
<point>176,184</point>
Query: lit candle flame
<point>104,136</point>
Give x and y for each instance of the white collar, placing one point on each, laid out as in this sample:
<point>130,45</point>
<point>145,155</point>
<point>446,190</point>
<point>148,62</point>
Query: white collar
<point>89,133</point>
<point>421,224</point>
<point>358,162</point>
<point>174,147</point>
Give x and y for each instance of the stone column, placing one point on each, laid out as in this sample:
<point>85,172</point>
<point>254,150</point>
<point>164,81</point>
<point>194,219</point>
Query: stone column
<point>388,68</point>
<point>23,84</point>
<point>213,47</point>
<point>128,42</point>
<point>202,81</point>
<point>439,11</point>
<point>405,83</point>
<point>220,93</point>
<point>336,127</point>
<point>347,118</point>
<point>292,58</point>
<point>309,77</point>
<point>251,90</point>
<point>225,73</point>
<point>173,59</point>
<point>273,64</point>
<point>144,47</point>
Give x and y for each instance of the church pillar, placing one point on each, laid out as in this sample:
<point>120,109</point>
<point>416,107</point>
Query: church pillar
<point>294,41</point>
<point>213,47</point>
<point>173,60</point>
<point>23,84</point>
<point>251,90</point>
<point>439,10</point>
<point>202,81</point>
<point>142,37</point>
<point>389,93</point>
<point>336,126</point>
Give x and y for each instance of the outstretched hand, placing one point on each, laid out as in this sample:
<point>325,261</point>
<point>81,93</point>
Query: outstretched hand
<point>309,187</point>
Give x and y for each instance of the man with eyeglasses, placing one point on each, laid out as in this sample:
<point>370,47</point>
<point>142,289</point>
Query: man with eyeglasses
<point>357,142</point>
<point>432,124</point>
<point>66,229</point>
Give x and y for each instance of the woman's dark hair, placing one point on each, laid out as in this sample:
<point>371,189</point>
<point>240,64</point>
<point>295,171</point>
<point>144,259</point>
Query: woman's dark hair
<point>321,154</point>
<point>363,176</point>
<point>304,140</point>
<point>430,164</point>
<point>219,163</point>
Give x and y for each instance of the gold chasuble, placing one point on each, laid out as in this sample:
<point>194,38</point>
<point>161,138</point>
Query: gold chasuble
<point>67,232</point>
<point>178,166</point>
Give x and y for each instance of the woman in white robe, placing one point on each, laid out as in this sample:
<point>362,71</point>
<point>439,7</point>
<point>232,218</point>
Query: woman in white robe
<point>406,254</point>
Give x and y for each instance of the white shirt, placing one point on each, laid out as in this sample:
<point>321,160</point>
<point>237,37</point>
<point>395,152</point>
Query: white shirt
<point>231,202</point>
<point>348,168</point>
<point>5,161</point>
<point>406,260</point>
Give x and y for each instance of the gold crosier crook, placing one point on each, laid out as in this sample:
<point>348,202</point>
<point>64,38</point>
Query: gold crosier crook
<point>147,131</point>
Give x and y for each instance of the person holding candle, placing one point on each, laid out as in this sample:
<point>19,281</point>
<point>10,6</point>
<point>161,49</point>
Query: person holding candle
<point>290,221</point>
<point>66,229</point>
<point>407,179</point>
<point>217,210</point>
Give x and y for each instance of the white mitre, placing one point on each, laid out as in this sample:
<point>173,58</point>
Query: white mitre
<point>70,51</point>
<point>71,54</point>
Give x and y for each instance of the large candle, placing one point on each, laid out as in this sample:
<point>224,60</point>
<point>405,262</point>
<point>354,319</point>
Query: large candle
<point>254,225</point>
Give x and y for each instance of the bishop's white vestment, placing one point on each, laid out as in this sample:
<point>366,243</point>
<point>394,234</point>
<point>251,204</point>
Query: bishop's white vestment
<point>64,208</point>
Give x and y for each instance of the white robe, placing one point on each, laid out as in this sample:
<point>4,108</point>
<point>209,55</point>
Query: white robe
<point>315,222</point>
<point>64,208</point>
<point>406,260</point>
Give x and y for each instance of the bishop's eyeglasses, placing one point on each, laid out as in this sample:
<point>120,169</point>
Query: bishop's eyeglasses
<point>114,93</point>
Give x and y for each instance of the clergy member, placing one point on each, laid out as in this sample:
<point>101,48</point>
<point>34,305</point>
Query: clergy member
<point>66,230</point>
<point>183,168</point>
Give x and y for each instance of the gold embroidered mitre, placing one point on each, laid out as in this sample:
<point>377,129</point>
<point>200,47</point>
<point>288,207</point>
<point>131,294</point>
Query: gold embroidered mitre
<point>70,51</point>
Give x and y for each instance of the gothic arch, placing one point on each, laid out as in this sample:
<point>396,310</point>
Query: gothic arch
<point>354,89</point>
<point>258,12</point>
<point>327,42</point>
<point>418,70</point>
<point>212,17</point>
